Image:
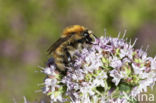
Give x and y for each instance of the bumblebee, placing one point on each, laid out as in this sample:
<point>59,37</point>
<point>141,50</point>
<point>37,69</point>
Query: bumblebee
<point>73,38</point>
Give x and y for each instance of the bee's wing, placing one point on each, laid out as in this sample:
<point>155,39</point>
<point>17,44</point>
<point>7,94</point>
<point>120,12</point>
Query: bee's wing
<point>56,44</point>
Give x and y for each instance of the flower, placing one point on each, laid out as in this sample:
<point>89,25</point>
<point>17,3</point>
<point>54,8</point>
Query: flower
<point>108,71</point>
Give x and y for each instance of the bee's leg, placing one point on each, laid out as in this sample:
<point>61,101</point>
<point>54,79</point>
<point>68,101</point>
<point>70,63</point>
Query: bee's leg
<point>68,58</point>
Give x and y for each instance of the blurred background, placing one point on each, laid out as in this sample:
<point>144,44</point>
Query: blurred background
<point>29,27</point>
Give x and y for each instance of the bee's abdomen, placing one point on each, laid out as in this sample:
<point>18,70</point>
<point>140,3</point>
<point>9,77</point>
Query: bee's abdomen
<point>58,55</point>
<point>63,54</point>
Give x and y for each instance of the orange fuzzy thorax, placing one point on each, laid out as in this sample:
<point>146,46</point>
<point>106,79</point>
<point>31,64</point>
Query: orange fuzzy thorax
<point>72,29</point>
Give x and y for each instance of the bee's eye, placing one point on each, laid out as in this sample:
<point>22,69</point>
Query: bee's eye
<point>85,34</point>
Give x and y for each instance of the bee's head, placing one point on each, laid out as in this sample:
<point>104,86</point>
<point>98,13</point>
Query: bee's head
<point>88,36</point>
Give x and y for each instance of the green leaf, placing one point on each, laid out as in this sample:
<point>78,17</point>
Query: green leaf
<point>115,93</point>
<point>124,88</point>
